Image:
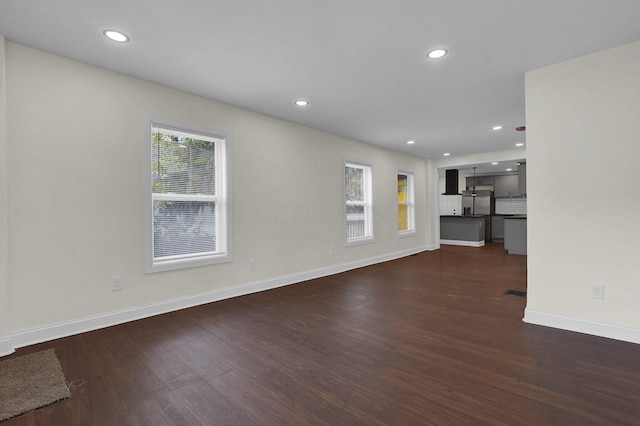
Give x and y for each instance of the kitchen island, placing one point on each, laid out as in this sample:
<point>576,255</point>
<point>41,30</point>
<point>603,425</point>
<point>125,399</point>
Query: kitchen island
<point>463,230</point>
<point>515,234</point>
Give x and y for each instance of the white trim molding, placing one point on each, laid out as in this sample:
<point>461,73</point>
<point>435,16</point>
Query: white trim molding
<point>82,325</point>
<point>5,347</point>
<point>580,325</point>
<point>462,243</point>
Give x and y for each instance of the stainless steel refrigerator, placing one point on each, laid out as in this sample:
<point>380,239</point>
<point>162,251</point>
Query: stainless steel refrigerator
<point>482,203</point>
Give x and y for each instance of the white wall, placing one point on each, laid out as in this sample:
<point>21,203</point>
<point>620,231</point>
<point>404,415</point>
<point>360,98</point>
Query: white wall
<point>75,197</point>
<point>5,344</point>
<point>583,147</point>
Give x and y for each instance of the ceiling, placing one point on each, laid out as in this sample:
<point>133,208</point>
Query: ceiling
<point>493,168</point>
<point>360,63</point>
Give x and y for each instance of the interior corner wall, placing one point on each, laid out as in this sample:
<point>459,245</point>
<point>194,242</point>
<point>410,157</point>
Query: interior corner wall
<point>5,346</point>
<point>583,146</point>
<point>432,195</point>
<point>75,197</point>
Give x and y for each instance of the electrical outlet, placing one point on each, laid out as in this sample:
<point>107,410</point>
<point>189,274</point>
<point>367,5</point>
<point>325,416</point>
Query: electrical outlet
<point>252,265</point>
<point>597,291</point>
<point>116,282</point>
<point>332,250</point>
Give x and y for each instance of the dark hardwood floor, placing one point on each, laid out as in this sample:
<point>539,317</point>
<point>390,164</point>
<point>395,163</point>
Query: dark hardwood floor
<point>428,339</point>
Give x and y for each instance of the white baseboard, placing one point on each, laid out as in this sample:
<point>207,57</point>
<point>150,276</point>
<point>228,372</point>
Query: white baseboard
<point>5,347</point>
<point>579,325</point>
<point>463,243</point>
<point>68,328</point>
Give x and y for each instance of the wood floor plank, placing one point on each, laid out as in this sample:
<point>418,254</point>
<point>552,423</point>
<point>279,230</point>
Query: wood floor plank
<point>429,339</point>
<point>258,403</point>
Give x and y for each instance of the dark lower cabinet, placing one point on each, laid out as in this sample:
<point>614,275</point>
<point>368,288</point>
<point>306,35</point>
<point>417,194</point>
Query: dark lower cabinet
<point>497,228</point>
<point>515,235</point>
<point>463,228</point>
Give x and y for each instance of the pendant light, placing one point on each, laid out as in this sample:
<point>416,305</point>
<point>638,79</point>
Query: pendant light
<point>473,194</point>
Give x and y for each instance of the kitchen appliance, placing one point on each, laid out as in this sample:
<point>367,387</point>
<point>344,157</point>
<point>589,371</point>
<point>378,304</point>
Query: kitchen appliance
<point>482,203</point>
<point>451,182</point>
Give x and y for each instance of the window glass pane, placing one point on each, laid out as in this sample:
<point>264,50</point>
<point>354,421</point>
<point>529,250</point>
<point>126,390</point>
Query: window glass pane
<point>406,216</point>
<point>402,188</point>
<point>358,202</point>
<point>354,182</point>
<point>355,221</point>
<point>182,165</point>
<point>403,217</point>
<point>183,227</point>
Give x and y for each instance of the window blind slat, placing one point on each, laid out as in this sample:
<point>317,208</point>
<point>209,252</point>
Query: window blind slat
<point>183,165</point>
<point>183,227</point>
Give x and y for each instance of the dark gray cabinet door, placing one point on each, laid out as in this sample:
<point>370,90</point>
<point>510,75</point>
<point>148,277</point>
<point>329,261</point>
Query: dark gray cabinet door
<point>506,186</point>
<point>502,186</point>
<point>522,178</point>
<point>497,228</point>
<point>479,181</point>
<point>515,236</point>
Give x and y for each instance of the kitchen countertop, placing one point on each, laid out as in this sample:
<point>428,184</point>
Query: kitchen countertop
<point>465,217</point>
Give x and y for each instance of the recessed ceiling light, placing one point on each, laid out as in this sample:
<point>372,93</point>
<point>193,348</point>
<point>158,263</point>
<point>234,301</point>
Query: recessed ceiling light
<point>410,142</point>
<point>520,144</point>
<point>446,154</point>
<point>495,163</point>
<point>509,170</point>
<point>116,36</point>
<point>496,128</point>
<point>436,54</point>
<point>302,102</point>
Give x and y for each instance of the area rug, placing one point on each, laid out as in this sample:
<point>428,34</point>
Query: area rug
<point>29,382</point>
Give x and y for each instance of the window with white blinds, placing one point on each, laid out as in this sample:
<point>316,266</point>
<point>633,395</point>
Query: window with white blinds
<point>188,204</point>
<point>358,203</point>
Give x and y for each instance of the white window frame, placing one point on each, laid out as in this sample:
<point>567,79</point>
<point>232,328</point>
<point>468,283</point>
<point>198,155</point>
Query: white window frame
<point>410,203</point>
<point>367,203</point>
<point>222,199</point>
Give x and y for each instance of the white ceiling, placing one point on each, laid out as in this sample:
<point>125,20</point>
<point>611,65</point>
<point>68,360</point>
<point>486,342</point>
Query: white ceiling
<point>360,63</point>
<point>486,168</point>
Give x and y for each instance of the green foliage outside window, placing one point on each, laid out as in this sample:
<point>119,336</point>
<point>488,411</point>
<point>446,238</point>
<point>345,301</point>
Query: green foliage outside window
<point>182,165</point>
<point>354,183</point>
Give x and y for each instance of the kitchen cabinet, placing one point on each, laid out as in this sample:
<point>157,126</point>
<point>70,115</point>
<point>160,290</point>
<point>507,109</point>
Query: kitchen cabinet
<point>497,228</point>
<point>506,186</point>
<point>464,230</point>
<point>479,181</point>
<point>450,205</point>
<point>515,235</point>
<point>522,178</point>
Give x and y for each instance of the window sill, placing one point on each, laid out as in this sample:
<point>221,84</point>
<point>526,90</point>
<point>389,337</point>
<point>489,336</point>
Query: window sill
<point>405,234</point>
<point>194,262</point>
<point>359,241</point>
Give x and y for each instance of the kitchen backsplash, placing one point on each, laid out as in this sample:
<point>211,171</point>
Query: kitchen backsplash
<point>511,206</point>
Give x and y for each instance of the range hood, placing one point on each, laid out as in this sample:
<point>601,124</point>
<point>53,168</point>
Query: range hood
<point>451,182</point>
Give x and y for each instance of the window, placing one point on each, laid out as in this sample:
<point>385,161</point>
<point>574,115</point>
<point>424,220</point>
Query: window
<point>358,209</point>
<point>406,206</point>
<point>187,203</point>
